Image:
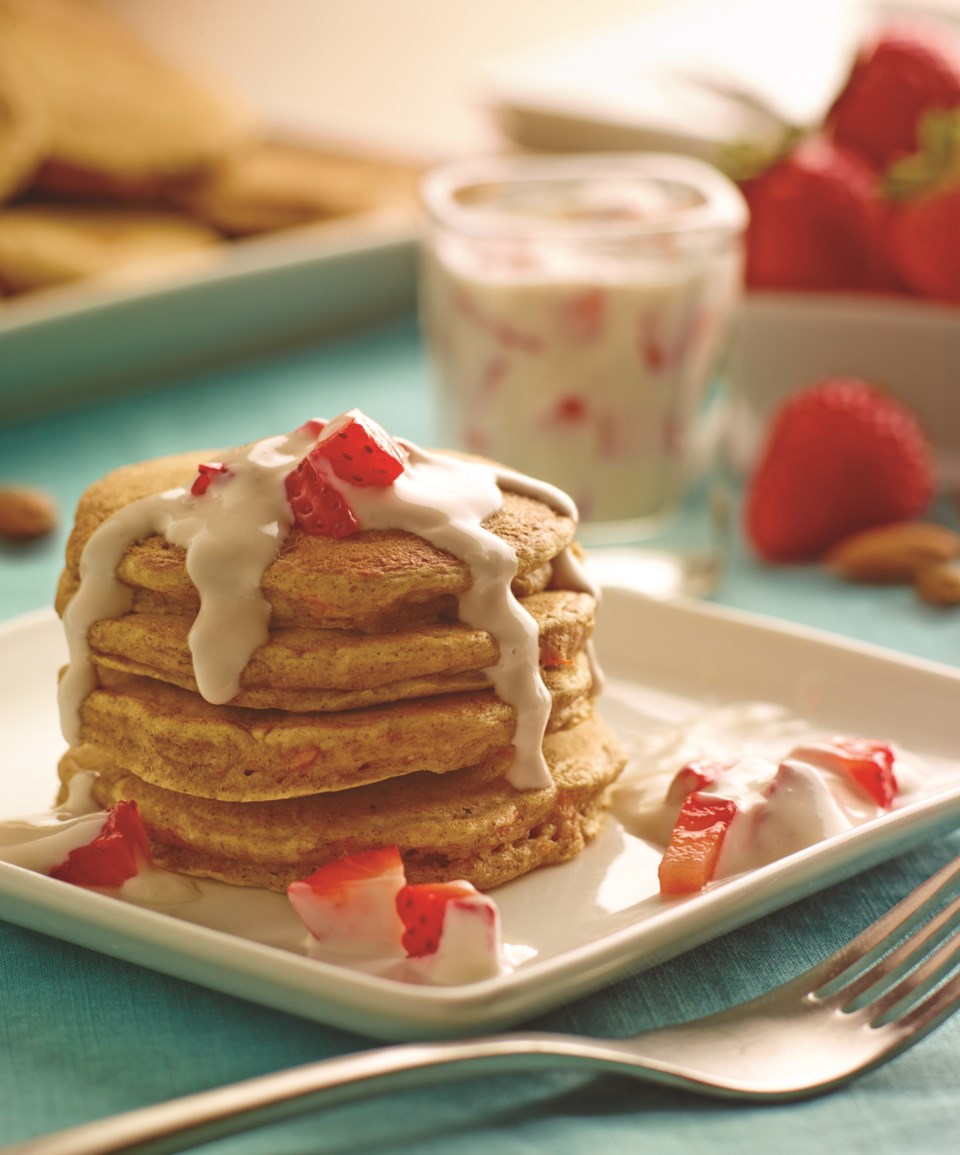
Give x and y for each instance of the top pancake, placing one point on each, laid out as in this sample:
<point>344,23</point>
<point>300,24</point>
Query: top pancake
<point>372,580</point>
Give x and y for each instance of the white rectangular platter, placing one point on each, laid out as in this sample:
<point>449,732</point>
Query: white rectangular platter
<point>588,922</point>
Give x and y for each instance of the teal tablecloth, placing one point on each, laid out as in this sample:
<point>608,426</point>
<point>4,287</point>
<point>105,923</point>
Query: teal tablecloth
<point>83,1035</point>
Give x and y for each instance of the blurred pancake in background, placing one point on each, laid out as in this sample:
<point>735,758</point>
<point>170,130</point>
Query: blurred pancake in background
<point>95,124</point>
<point>270,185</point>
<point>22,127</point>
<point>43,245</point>
<point>120,120</point>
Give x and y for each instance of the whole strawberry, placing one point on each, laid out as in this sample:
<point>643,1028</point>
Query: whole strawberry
<point>840,456</point>
<point>816,222</point>
<point>905,71</point>
<point>923,230</point>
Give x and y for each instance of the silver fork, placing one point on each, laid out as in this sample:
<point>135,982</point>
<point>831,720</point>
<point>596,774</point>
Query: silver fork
<point>875,997</point>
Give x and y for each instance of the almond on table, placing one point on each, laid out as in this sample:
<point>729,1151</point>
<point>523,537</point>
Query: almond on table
<point>939,585</point>
<point>893,553</point>
<point>26,513</point>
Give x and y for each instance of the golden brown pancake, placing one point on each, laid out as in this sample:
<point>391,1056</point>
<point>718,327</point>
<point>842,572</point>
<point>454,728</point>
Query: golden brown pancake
<point>22,128</point>
<point>120,120</point>
<point>175,739</point>
<point>470,824</point>
<point>359,582</point>
<point>309,669</point>
<point>44,244</point>
<point>269,185</point>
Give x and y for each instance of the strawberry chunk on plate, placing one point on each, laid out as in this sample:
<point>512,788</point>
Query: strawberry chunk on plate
<point>690,859</point>
<point>114,856</point>
<point>423,907</point>
<point>349,906</point>
<point>865,763</point>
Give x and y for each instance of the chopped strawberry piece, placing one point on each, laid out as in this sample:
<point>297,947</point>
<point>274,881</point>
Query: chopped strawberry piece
<point>694,776</point>
<point>334,878</point>
<point>317,507</point>
<point>208,472</point>
<point>582,316</point>
<point>866,763</point>
<point>360,452</point>
<point>350,905</point>
<point>691,855</point>
<point>113,856</point>
<point>422,907</point>
<point>571,410</point>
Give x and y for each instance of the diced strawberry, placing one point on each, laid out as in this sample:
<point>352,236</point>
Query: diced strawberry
<point>866,763</point>
<point>113,856</point>
<point>582,316</point>
<point>360,452</point>
<point>209,471</point>
<point>470,949</point>
<point>691,856</point>
<point>570,410</point>
<point>317,507</point>
<point>422,906</point>
<point>350,905</point>
<point>694,776</point>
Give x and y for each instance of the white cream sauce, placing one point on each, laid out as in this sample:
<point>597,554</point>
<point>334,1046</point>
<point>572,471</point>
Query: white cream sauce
<point>784,803</point>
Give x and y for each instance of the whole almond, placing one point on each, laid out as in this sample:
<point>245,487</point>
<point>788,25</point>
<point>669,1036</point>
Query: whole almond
<point>26,513</point>
<point>893,553</point>
<point>939,585</point>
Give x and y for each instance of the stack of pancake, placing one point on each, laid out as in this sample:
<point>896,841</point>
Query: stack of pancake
<point>366,720</point>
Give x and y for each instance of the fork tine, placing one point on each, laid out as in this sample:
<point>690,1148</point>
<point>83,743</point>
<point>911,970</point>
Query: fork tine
<point>931,1011</point>
<point>830,975</point>
<point>895,965</point>
<point>915,986</point>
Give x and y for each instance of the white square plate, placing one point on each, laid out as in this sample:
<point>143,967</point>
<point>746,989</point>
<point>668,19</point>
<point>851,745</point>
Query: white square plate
<point>589,921</point>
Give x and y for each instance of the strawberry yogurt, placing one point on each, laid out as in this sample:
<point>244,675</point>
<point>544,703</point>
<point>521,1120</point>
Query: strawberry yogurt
<point>575,309</point>
<point>790,789</point>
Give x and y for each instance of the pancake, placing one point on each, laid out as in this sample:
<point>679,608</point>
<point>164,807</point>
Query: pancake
<point>310,669</point>
<point>174,739</point>
<point>44,244</point>
<point>22,129</point>
<point>365,581</point>
<point>120,121</point>
<point>272,185</point>
<point>466,825</point>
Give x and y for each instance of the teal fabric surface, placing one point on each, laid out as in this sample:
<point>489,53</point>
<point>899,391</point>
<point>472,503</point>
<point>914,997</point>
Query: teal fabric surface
<point>83,1035</point>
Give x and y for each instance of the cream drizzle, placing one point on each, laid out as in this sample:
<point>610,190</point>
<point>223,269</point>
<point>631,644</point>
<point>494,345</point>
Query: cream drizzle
<point>230,534</point>
<point>233,532</point>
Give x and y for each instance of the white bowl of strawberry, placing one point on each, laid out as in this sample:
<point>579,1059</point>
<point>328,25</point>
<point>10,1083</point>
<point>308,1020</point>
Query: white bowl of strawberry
<point>853,249</point>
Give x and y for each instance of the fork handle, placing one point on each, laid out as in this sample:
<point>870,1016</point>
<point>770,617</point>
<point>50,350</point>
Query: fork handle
<point>191,1120</point>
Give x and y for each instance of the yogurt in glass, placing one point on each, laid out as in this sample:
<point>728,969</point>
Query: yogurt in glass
<point>575,309</point>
